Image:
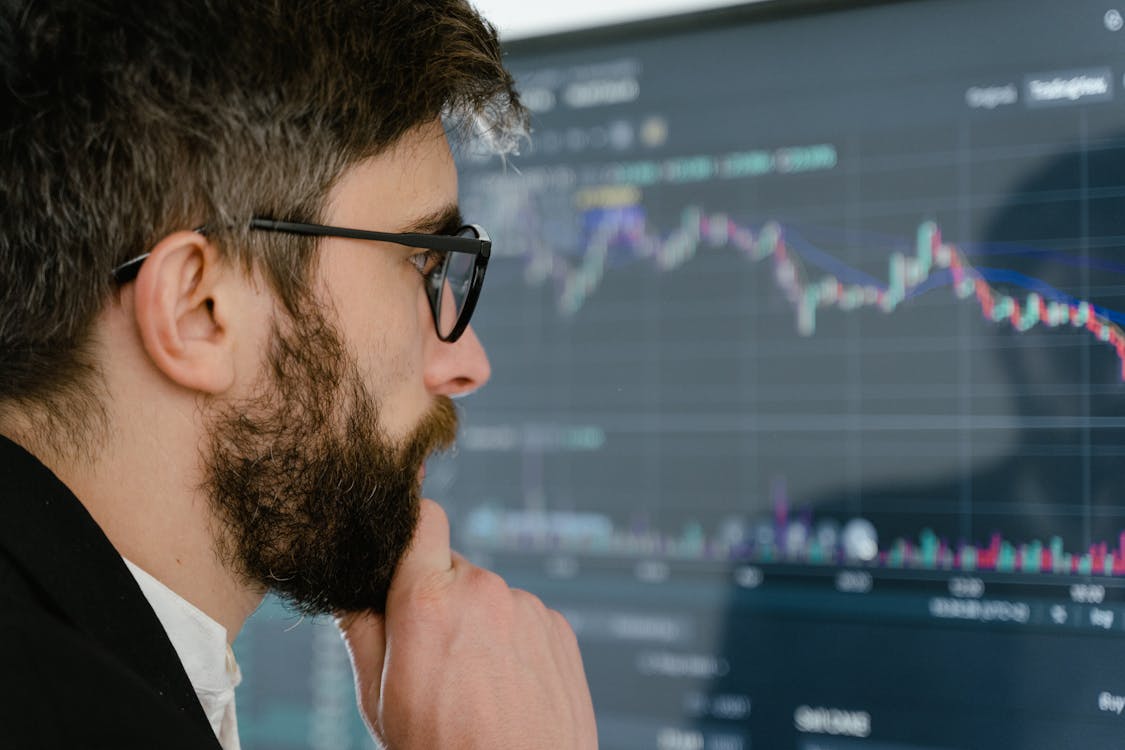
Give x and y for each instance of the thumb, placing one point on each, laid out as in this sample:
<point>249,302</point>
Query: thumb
<point>365,636</point>
<point>429,551</point>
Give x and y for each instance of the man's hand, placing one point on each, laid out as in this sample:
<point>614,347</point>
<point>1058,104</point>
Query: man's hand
<point>462,661</point>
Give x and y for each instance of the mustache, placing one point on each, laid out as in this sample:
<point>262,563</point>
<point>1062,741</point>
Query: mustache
<point>436,432</point>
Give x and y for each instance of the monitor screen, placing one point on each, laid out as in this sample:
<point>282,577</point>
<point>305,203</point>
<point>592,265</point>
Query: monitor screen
<point>807,406</point>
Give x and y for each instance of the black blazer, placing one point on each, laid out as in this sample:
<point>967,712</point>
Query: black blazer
<point>84,662</point>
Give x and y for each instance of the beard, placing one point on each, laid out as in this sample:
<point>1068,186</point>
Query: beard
<point>312,500</point>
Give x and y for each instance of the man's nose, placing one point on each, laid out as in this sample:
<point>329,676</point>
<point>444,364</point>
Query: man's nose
<point>456,369</point>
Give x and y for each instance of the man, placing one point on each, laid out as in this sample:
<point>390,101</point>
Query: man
<point>234,302</point>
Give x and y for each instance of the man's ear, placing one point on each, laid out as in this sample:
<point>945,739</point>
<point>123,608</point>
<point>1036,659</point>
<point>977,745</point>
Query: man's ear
<point>182,304</point>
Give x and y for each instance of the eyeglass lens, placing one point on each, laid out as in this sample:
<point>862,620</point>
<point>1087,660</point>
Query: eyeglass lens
<point>450,286</point>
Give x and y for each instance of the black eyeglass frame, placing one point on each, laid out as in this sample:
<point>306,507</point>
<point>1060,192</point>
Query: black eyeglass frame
<point>480,247</point>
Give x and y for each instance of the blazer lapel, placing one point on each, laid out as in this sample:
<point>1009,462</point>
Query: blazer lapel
<point>49,533</point>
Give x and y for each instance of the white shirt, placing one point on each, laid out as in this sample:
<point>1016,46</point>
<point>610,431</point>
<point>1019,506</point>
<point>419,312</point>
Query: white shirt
<point>201,644</point>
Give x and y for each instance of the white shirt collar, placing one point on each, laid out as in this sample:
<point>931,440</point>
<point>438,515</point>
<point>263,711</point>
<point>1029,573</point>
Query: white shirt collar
<point>201,644</point>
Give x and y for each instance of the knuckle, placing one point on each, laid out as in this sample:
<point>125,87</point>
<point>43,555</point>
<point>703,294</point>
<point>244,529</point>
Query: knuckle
<point>488,585</point>
<point>533,609</point>
<point>528,600</point>
<point>563,628</point>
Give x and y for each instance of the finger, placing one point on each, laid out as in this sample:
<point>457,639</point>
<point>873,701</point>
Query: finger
<point>570,663</point>
<point>365,636</point>
<point>579,700</point>
<point>429,549</point>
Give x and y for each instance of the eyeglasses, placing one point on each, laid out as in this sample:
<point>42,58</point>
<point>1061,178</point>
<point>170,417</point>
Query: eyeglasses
<point>453,281</point>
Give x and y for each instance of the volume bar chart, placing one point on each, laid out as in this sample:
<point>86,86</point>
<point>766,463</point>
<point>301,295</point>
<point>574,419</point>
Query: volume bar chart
<point>786,538</point>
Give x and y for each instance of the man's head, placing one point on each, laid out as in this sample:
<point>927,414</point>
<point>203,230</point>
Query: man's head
<point>315,379</point>
<point>123,122</point>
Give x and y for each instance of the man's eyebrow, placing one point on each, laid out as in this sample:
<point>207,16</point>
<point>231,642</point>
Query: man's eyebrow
<point>446,220</point>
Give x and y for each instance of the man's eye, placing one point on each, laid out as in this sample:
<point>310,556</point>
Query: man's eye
<point>428,262</point>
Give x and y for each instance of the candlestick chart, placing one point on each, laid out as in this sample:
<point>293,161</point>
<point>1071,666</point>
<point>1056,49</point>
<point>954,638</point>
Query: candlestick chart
<point>933,264</point>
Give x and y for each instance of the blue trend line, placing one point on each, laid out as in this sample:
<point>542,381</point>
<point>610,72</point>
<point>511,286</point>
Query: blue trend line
<point>1016,279</point>
<point>1056,256</point>
<point>822,260</point>
<point>938,279</point>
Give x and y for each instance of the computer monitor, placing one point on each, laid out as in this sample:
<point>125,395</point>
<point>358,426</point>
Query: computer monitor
<point>807,404</point>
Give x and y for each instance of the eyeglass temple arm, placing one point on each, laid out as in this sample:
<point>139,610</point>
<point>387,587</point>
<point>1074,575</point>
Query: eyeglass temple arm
<point>427,241</point>
<point>128,270</point>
